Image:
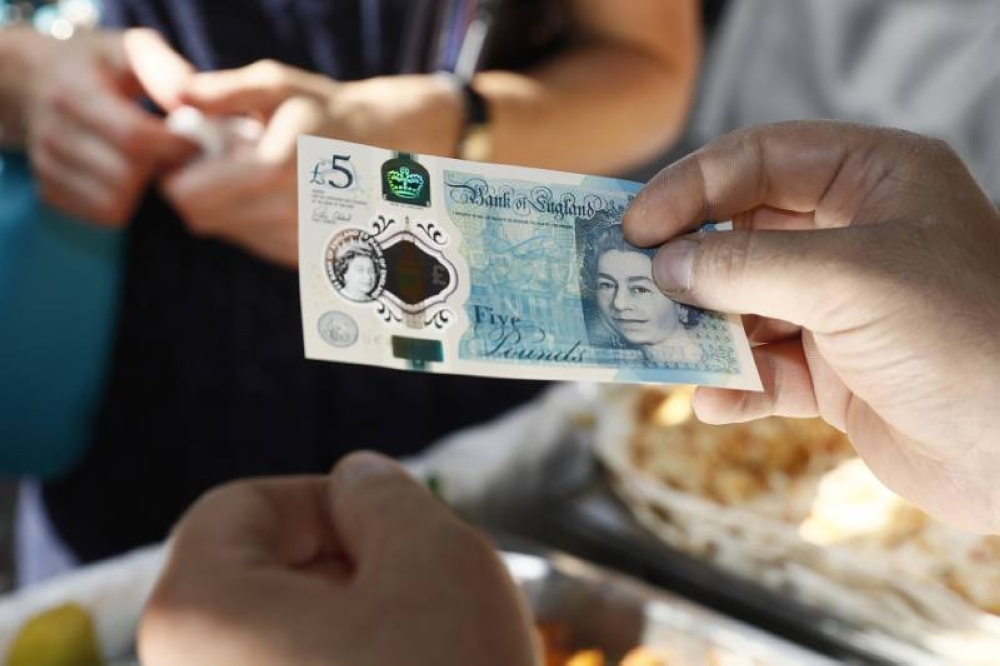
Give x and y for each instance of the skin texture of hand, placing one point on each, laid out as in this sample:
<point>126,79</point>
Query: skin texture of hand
<point>93,148</point>
<point>250,200</point>
<point>364,568</point>
<point>870,262</point>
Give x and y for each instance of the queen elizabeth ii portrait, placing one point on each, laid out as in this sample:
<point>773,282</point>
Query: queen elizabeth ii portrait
<point>355,266</point>
<point>624,307</point>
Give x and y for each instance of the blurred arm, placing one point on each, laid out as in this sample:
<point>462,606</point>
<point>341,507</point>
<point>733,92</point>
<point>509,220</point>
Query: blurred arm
<point>617,97</point>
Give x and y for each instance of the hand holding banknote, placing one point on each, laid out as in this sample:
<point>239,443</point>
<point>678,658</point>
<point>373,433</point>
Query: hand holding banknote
<point>363,568</point>
<point>869,261</point>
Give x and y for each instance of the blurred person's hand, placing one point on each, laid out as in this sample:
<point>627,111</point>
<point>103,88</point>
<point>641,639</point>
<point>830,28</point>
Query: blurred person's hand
<point>93,148</point>
<point>870,261</point>
<point>364,568</point>
<point>251,199</point>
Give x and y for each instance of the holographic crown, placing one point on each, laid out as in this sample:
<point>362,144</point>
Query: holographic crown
<point>405,184</point>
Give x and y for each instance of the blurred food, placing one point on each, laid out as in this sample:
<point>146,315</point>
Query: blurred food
<point>805,472</point>
<point>557,650</point>
<point>643,656</point>
<point>62,636</point>
<point>853,510</point>
<point>587,658</point>
<point>788,502</point>
<point>771,464</point>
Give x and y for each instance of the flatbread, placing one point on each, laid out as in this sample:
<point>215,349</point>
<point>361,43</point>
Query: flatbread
<point>787,503</point>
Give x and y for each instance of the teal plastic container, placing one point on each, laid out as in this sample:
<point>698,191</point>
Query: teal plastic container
<point>59,290</point>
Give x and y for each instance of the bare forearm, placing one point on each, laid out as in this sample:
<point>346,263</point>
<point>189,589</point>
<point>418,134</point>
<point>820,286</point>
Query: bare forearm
<point>597,109</point>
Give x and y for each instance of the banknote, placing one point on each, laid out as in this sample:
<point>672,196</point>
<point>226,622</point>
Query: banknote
<point>439,265</point>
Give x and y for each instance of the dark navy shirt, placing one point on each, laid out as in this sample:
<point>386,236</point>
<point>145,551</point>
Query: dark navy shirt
<point>208,381</point>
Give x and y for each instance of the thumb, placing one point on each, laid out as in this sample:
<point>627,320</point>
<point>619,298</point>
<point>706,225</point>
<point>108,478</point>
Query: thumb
<point>161,72</point>
<point>379,510</point>
<point>802,277</point>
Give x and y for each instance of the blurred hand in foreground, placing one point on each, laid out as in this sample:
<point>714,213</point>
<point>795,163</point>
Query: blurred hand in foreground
<point>93,148</point>
<point>365,568</point>
<point>869,261</point>
<point>250,199</point>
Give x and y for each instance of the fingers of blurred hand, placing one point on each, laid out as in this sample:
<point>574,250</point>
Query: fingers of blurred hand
<point>214,182</point>
<point>788,389</point>
<point>297,115</point>
<point>207,191</point>
<point>381,513</point>
<point>267,227</point>
<point>124,124</point>
<point>797,168</point>
<point>282,522</point>
<point>244,583</point>
<point>257,88</point>
<point>159,70</point>
<point>411,552</point>
<point>74,191</point>
<point>247,579</point>
<point>88,152</point>
<point>250,204</point>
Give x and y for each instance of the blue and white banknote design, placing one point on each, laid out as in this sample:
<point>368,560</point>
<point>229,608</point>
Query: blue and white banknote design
<point>426,263</point>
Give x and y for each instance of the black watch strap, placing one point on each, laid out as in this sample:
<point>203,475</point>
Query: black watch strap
<point>476,110</point>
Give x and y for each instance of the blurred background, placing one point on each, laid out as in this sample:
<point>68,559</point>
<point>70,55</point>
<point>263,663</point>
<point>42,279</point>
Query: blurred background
<point>150,334</point>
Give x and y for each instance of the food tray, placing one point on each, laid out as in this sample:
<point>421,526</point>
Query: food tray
<point>614,613</point>
<point>587,520</point>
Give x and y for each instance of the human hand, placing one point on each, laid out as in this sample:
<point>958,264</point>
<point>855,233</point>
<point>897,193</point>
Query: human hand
<point>365,568</point>
<point>92,147</point>
<point>868,261</point>
<point>251,199</point>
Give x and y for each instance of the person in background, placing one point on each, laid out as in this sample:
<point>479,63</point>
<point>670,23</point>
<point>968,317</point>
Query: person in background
<point>642,56</point>
<point>208,380</point>
<point>919,66</point>
<point>896,348</point>
<point>93,152</point>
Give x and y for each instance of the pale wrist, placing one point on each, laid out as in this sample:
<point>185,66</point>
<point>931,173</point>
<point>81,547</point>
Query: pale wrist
<point>419,113</point>
<point>22,52</point>
<point>447,111</point>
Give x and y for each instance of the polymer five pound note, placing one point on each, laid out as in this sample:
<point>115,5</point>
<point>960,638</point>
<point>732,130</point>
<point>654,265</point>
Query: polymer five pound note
<point>440,265</point>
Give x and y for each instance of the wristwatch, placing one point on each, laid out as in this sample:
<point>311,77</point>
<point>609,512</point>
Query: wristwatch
<point>476,140</point>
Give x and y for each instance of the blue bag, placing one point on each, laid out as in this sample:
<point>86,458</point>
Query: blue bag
<point>59,289</point>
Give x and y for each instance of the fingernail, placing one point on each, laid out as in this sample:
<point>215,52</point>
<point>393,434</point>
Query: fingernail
<point>361,467</point>
<point>672,266</point>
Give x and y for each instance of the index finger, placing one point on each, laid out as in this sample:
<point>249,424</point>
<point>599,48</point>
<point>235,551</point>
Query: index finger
<point>815,167</point>
<point>127,126</point>
<point>159,70</point>
<point>257,88</point>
